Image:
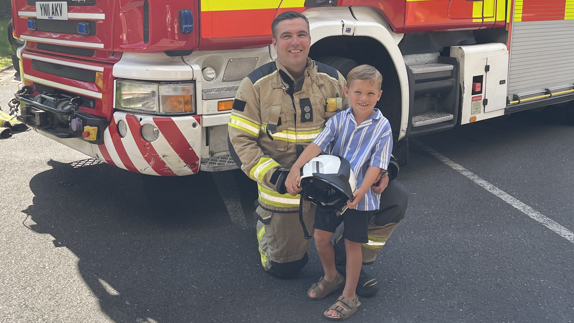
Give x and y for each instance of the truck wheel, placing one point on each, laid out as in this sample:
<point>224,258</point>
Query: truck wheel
<point>562,113</point>
<point>568,111</point>
<point>401,151</point>
<point>343,65</point>
<point>16,63</point>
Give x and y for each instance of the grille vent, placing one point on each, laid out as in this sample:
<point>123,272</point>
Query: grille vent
<point>238,68</point>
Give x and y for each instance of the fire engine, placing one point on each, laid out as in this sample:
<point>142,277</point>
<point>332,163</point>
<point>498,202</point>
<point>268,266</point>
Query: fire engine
<point>148,85</point>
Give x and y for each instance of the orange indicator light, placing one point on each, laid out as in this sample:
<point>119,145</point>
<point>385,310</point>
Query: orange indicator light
<point>224,105</point>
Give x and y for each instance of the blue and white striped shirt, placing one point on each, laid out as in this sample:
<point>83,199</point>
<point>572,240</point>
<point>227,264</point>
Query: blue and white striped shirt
<point>368,144</point>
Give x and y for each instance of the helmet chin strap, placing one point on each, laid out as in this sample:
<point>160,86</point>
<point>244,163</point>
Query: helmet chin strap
<point>305,232</point>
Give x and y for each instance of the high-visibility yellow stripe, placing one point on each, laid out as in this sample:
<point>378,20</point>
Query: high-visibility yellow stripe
<point>262,169</point>
<point>489,10</point>
<point>260,234</point>
<point>375,243</point>
<point>291,137</point>
<point>477,11</point>
<point>245,120</point>
<point>569,10</point>
<point>227,5</point>
<point>292,3</point>
<point>288,198</point>
<point>259,237</point>
<point>235,125</point>
<point>262,166</point>
<point>300,131</point>
<point>509,8</point>
<point>500,10</point>
<point>294,136</point>
<point>371,282</point>
<point>518,5</point>
<point>244,125</point>
<point>273,198</point>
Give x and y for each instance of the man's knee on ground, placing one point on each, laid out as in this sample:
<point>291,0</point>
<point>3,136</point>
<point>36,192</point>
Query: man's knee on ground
<point>394,201</point>
<point>288,269</point>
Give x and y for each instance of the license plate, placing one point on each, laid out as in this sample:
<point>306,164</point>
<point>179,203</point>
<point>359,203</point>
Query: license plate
<point>52,10</point>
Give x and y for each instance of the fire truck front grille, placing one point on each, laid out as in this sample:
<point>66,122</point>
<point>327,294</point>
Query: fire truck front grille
<point>219,92</point>
<point>63,26</point>
<point>67,50</point>
<point>64,71</point>
<point>218,164</point>
<point>219,158</point>
<point>217,140</point>
<point>238,68</point>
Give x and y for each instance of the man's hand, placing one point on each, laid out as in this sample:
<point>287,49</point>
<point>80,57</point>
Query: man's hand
<point>292,181</point>
<point>381,184</point>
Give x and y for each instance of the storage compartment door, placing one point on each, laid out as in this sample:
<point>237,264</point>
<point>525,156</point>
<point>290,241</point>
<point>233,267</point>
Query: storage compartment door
<point>496,83</point>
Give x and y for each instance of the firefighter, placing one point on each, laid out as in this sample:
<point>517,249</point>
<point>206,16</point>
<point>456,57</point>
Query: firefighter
<point>278,110</point>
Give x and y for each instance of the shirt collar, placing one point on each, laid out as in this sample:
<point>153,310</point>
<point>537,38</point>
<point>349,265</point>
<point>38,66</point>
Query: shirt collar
<point>378,115</point>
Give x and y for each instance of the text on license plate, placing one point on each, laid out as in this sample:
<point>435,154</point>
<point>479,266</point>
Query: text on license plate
<point>52,10</point>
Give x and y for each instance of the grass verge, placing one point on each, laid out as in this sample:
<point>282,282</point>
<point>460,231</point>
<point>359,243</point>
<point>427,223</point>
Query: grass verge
<point>5,50</point>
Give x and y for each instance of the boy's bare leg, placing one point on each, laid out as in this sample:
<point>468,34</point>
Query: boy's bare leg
<point>327,256</point>
<point>353,267</point>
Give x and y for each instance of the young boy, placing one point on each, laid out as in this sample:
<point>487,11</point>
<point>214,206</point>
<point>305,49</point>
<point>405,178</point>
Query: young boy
<point>363,136</point>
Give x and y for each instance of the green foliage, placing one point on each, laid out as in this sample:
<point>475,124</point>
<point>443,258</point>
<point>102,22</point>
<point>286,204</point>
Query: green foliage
<point>5,50</point>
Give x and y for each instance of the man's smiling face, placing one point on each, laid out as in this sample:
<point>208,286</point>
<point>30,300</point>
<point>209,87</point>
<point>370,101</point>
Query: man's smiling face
<point>292,44</point>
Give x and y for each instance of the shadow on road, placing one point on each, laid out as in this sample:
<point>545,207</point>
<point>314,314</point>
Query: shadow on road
<point>150,249</point>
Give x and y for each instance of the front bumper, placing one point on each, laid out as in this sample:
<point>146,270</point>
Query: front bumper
<point>174,153</point>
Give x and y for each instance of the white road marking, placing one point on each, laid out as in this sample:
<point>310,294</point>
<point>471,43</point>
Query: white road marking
<point>535,215</point>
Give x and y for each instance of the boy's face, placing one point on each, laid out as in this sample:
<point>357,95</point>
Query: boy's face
<point>363,95</point>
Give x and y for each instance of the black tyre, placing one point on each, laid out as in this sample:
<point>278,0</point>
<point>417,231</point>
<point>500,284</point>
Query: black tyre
<point>401,151</point>
<point>561,113</point>
<point>16,63</point>
<point>568,111</point>
<point>342,64</point>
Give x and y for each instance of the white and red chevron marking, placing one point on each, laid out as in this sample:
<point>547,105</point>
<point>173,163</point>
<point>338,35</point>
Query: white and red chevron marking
<point>172,154</point>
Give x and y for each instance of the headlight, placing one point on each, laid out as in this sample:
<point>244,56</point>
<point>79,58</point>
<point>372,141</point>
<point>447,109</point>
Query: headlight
<point>176,98</point>
<point>155,98</point>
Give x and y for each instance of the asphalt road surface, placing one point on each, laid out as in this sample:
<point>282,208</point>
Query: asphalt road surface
<point>487,236</point>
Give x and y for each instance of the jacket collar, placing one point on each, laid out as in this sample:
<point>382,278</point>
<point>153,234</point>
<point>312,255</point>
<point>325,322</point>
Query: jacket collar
<point>310,70</point>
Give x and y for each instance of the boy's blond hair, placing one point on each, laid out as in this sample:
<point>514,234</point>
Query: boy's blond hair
<point>365,73</point>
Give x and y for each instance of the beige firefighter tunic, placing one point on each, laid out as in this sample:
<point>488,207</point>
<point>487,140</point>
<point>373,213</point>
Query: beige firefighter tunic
<point>273,119</point>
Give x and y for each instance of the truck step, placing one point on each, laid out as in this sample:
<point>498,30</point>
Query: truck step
<point>429,118</point>
<point>218,163</point>
<point>431,71</point>
<point>439,86</point>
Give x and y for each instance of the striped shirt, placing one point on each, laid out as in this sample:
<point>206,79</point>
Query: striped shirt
<point>368,144</point>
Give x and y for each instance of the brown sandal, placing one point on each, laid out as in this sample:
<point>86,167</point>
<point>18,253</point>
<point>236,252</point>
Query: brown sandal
<point>349,308</point>
<point>328,287</point>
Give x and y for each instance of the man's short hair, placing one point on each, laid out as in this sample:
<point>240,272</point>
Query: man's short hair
<point>365,73</point>
<point>287,15</point>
